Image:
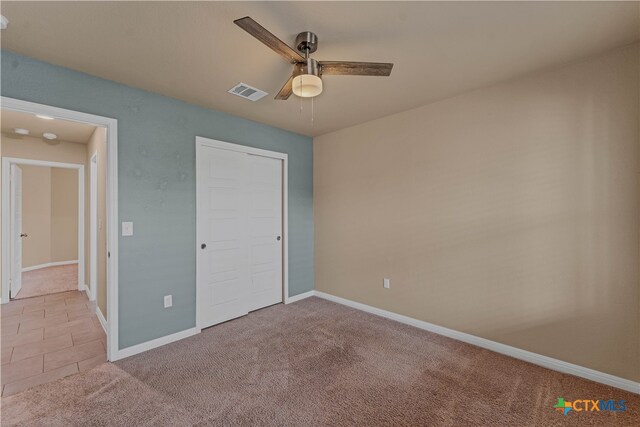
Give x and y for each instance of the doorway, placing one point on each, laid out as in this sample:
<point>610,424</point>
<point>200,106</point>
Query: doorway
<point>46,210</point>
<point>105,222</point>
<point>241,230</point>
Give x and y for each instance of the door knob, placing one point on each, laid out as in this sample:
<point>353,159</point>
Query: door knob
<point>278,238</point>
<point>24,235</point>
<point>203,246</point>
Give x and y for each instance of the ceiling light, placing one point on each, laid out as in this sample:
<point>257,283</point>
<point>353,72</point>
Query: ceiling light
<point>49,136</point>
<point>21,131</point>
<point>307,82</point>
<point>4,22</point>
<point>42,116</point>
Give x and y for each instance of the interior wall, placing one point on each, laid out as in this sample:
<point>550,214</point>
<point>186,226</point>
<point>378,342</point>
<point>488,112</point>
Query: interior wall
<point>64,214</point>
<point>28,147</point>
<point>97,144</point>
<point>49,215</point>
<point>511,213</point>
<point>36,215</point>
<point>157,187</point>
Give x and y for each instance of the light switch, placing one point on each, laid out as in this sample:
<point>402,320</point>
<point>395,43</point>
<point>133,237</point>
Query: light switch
<point>127,228</point>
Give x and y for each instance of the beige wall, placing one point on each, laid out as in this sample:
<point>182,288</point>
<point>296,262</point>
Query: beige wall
<point>98,144</point>
<point>511,213</point>
<point>35,149</point>
<point>49,215</point>
<point>36,215</point>
<point>64,214</point>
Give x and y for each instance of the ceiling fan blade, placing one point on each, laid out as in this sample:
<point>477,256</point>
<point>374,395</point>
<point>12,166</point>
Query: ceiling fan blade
<point>347,68</point>
<point>286,90</point>
<point>262,34</point>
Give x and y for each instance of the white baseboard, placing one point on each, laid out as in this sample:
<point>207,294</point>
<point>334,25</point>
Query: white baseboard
<point>140,348</point>
<point>89,292</point>
<point>536,359</point>
<point>299,297</point>
<point>102,320</point>
<point>49,264</point>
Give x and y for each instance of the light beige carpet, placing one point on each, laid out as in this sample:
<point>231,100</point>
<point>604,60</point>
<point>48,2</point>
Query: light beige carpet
<point>315,363</point>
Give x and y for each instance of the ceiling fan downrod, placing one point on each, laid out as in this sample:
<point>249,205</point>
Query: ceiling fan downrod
<point>306,43</point>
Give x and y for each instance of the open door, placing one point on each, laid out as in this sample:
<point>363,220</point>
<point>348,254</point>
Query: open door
<point>93,227</point>
<point>16,230</point>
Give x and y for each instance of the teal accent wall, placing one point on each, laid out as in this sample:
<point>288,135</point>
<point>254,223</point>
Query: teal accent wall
<point>157,187</point>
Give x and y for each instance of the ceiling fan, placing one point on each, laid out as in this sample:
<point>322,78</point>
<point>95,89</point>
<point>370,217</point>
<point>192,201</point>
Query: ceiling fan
<point>306,79</point>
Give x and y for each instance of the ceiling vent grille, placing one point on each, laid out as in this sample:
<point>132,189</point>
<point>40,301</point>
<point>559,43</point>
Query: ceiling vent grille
<point>245,91</point>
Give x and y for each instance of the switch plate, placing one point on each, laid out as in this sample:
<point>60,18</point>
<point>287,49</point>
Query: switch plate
<point>168,301</point>
<point>127,228</point>
<point>386,283</point>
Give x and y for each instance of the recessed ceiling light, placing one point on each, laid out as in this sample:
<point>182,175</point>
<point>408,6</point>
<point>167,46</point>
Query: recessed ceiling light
<point>21,131</point>
<point>42,116</point>
<point>49,136</point>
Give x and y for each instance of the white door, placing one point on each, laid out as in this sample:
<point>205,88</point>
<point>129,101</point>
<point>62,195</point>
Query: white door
<point>265,231</point>
<point>223,281</point>
<point>239,234</point>
<point>93,227</point>
<point>16,230</point>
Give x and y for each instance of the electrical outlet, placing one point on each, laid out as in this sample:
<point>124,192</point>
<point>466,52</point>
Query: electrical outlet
<point>386,283</point>
<point>168,301</point>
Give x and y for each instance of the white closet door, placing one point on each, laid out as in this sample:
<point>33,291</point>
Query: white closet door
<point>265,231</point>
<point>16,230</point>
<point>240,234</point>
<point>222,215</point>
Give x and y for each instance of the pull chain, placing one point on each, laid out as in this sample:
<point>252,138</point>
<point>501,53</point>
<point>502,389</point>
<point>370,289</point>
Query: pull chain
<point>300,97</point>
<point>312,111</point>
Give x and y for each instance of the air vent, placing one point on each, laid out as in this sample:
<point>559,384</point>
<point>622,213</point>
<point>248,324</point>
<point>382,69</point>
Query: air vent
<point>245,91</point>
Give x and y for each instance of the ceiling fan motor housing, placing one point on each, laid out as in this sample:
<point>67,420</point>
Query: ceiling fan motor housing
<point>310,66</point>
<point>306,42</point>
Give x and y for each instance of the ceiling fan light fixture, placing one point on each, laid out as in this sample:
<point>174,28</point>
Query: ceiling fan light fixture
<point>306,81</point>
<point>306,85</point>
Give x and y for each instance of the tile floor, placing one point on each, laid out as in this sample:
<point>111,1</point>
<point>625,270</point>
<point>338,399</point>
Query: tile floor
<point>48,280</point>
<point>49,337</point>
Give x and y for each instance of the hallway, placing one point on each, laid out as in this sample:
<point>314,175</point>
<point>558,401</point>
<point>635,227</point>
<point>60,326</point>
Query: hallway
<point>49,280</point>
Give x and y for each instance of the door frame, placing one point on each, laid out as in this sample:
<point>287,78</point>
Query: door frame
<point>12,226</point>
<point>7,211</point>
<point>93,226</point>
<point>111,222</point>
<point>202,142</point>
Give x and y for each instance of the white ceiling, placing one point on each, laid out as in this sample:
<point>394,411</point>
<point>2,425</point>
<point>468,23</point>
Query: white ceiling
<point>65,130</point>
<point>193,51</point>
